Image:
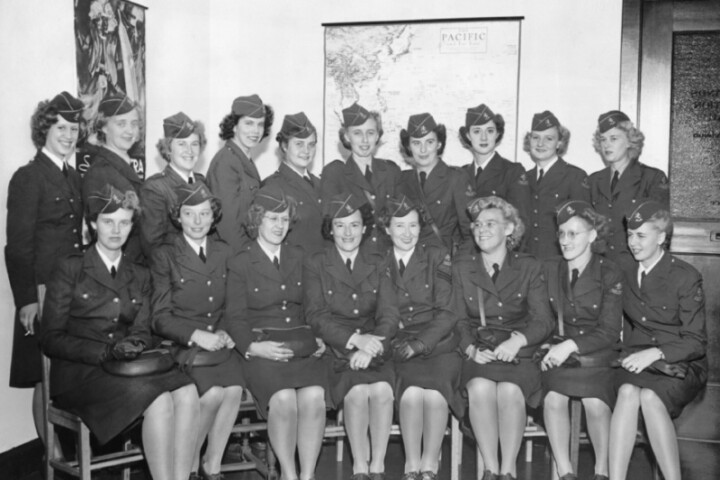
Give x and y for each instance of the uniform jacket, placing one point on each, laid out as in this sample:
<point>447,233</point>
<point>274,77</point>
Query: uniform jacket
<point>517,300</point>
<point>592,311</point>
<point>561,183</point>
<point>157,197</point>
<point>339,303</point>
<point>345,177</point>
<point>504,179</point>
<point>234,179</point>
<point>637,184</point>
<point>668,311</point>
<point>305,232</point>
<point>261,296</point>
<point>44,223</point>
<point>424,294</point>
<point>188,294</point>
<point>86,310</point>
<point>446,196</point>
<point>106,167</point>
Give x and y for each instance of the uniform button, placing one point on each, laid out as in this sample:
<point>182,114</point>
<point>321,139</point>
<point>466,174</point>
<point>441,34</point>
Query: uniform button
<point>110,335</point>
<point>633,200</point>
<point>72,200</point>
<point>329,292</point>
<point>374,290</point>
<point>209,282</point>
<point>612,247</point>
<point>439,202</point>
<point>500,317</point>
<point>209,327</point>
<point>664,307</point>
<point>642,303</point>
<point>210,298</point>
<point>256,289</point>
<point>609,205</point>
<point>282,287</point>
<point>535,211</point>
<point>132,300</point>
<point>535,238</point>
<point>407,294</point>
<point>409,319</point>
<point>372,196</point>
<point>284,302</point>
<point>494,193</point>
<point>499,304</point>
<point>182,280</point>
<point>76,245</point>
<point>519,295</point>
<point>654,339</point>
<point>85,295</point>
<point>354,296</point>
<point>299,283</point>
<point>115,320</point>
<point>209,314</point>
<point>116,300</point>
<point>582,332</point>
<point>552,299</point>
<point>74,230</point>
<point>284,307</point>
<point>411,309</point>
<point>535,225</point>
<point>536,197</point>
<point>574,320</point>
<point>72,215</point>
<point>470,298</point>
<point>287,319</point>
<point>643,319</point>
<point>356,311</point>
<point>572,304</point>
<point>374,239</point>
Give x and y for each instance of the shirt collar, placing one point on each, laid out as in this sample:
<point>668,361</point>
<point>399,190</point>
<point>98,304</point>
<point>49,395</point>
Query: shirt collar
<point>109,263</point>
<point>404,256</point>
<point>271,255</point>
<point>352,256</point>
<point>195,246</point>
<point>59,162</point>
<point>484,164</point>
<point>647,270</point>
<point>549,165</point>
<point>183,175</point>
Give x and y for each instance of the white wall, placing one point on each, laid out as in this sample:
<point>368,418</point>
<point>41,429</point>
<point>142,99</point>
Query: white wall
<point>201,55</point>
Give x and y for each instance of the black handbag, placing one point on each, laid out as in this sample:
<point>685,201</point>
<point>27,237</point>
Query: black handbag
<point>488,337</point>
<point>189,357</point>
<point>658,367</point>
<point>300,340</point>
<point>447,344</point>
<point>149,362</point>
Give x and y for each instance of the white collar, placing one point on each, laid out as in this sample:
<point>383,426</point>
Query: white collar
<point>183,175</point>
<point>109,263</point>
<point>647,270</point>
<point>195,246</point>
<point>59,162</point>
<point>271,255</point>
<point>405,257</point>
<point>351,256</point>
<point>484,164</point>
<point>548,166</point>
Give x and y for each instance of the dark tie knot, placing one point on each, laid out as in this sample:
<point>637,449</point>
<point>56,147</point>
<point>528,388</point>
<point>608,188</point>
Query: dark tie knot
<point>401,267</point>
<point>348,264</point>
<point>201,254</point>
<point>423,178</point>
<point>113,271</point>
<point>575,275</point>
<point>496,272</point>
<point>276,262</point>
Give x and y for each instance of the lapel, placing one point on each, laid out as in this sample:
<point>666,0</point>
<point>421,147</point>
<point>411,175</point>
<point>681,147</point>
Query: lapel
<point>629,180</point>
<point>263,265</point>
<point>380,175</point>
<point>588,279</point>
<point>310,192</point>
<point>398,280</point>
<point>175,179</point>
<point>437,180</point>
<point>94,267</point>
<point>492,171</point>
<point>335,266</point>
<point>123,168</point>
<point>355,176</point>
<point>361,268</point>
<point>553,177</point>
<point>655,280</point>
<point>288,260</point>
<point>187,257</point>
<point>509,271</point>
<point>479,276</point>
<point>532,178</point>
<point>564,281</point>
<point>247,164</point>
<point>604,183</point>
<point>70,186</point>
<point>416,265</point>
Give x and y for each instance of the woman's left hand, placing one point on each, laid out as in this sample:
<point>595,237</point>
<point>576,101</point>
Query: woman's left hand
<point>226,338</point>
<point>360,360</point>
<point>508,350</point>
<point>557,354</point>
<point>639,361</point>
<point>321,347</point>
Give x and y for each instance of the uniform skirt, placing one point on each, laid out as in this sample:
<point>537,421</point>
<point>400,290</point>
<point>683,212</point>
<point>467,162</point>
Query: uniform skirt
<point>267,377</point>
<point>526,375</point>
<point>26,365</point>
<point>440,372</point>
<point>108,404</point>
<point>226,374</point>
<point>675,393</point>
<point>344,379</point>
<point>587,382</point>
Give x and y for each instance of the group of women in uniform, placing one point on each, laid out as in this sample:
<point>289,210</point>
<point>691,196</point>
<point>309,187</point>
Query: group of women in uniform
<point>478,290</point>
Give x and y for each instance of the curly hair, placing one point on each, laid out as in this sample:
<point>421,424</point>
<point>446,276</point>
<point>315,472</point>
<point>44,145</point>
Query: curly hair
<point>368,220</point>
<point>598,222</point>
<point>441,133</point>
<point>663,222</point>
<point>215,205</point>
<point>509,212</point>
<point>635,138</point>
<point>228,124</point>
<point>43,118</point>
<point>499,122</point>
<point>283,139</point>
<point>378,121</point>
<point>384,217</point>
<point>102,120</point>
<point>563,135</point>
<point>130,202</point>
<point>256,213</point>
<point>163,145</point>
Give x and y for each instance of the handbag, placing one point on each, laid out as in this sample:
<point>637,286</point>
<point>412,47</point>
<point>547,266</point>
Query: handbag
<point>149,362</point>
<point>300,340</point>
<point>189,357</point>
<point>658,367</point>
<point>447,344</point>
<point>489,337</point>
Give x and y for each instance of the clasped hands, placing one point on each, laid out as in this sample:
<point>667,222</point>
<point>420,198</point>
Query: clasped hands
<point>368,347</point>
<point>277,351</point>
<point>505,352</point>
<point>639,361</point>
<point>557,354</point>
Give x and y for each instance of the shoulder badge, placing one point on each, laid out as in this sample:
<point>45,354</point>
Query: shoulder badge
<point>585,183</point>
<point>617,289</point>
<point>444,270</point>
<point>470,192</point>
<point>664,183</point>
<point>522,180</point>
<point>699,295</point>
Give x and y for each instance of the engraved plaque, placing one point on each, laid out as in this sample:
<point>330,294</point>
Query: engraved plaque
<point>695,137</point>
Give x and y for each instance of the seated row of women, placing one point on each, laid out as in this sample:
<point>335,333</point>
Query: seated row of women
<point>348,326</point>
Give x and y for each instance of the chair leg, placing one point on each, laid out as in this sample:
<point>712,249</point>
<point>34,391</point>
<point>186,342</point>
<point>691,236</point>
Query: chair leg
<point>340,442</point>
<point>126,471</point>
<point>272,463</point>
<point>49,448</point>
<point>456,441</point>
<point>528,450</point>
<point>84,453</point>
<point>575,421</point>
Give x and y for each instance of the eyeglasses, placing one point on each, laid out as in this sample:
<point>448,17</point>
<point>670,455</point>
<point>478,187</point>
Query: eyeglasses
<point>570,234</point>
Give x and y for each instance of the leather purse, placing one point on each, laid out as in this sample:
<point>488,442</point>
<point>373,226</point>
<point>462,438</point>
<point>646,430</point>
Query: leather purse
<point>300,340</point>
<point>600,358</point>
<point>447,344</point>
<point>149,362</point>
<point>189,357</point>
<point>488,337</point>
<point>658,367</point>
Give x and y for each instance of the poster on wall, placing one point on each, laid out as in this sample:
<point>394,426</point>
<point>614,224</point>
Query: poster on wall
<point>110,57</point>
<point>403,68</point>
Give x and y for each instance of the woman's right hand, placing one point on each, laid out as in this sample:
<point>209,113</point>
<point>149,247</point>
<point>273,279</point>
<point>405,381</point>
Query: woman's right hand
<point>369,343</point>
<point>360,360</point>
<point>276,351</point>
<point>480,356</point>
<point>27,315</point>
<point>207,340</point>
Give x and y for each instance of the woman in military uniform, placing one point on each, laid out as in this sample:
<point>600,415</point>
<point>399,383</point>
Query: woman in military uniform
<point>189,278</point>
<point>490,173</point>
<point>427,364</point>
<point>585,292</point>
<point>349,301</point>
<point>97,310</point>
<point>181,147</point>
<point>117,128</point>
<point>552,181</point>
<point>441,192</point>
<point>44,223</point>
<point>233,176</point>
<point>363,175</point>
<point>282,358</point>
<point>502,293</point>
<point>298,141</point>
<point>625,183</point>
<point>665,305</point>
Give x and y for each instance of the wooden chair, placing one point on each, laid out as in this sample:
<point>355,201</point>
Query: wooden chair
<point>243,428</point>
<point>336,430</point>
<point>86,462</point>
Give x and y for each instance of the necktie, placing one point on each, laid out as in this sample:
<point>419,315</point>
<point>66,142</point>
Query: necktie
<point>614,181</point>
<point>191,180</point>
<point>368,174</point>
<point>540,177</point>
<point>496,272</point>
<point>65,169</point>
<point>573,280</point>
<point>113,271</point>
<point>348,264</point>
<point>309,180</point>
<point>423,177</point>
<point>401,268</point>
<point>478,172</point>
<point>202,255</point>
<point>642,278</point>
<point>276,262</point>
